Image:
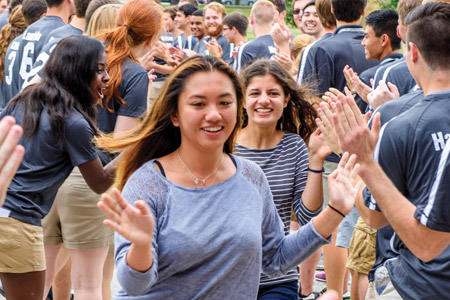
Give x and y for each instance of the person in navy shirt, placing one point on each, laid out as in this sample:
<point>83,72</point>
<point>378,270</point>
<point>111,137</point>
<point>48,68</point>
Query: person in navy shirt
<point>262,18</point>
<point>405,170</point>
<point>31,43</point>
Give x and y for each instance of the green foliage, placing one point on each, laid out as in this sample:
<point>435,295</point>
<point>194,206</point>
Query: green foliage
<point>387,4</point>
<point>289,15</point>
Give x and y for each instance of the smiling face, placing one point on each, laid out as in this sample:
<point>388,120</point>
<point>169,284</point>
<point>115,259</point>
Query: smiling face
<point>298,11</point>
<point>213,22</point>
<point>264,101</point>
<point>310,23</point>
<point>100,80</point>
<point>372,44</point>
<point>197,27</point>
<point>207,111</point>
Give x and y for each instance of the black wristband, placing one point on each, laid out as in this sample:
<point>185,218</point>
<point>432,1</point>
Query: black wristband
<point>317,171</point>
<point>329,205</point>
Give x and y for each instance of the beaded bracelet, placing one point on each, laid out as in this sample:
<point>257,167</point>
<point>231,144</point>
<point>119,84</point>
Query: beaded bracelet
<point>317,171</point>
<point>329,205</point>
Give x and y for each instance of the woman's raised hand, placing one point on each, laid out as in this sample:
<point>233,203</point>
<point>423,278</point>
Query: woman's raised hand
<point>318,146</point>
<point>135,224</point>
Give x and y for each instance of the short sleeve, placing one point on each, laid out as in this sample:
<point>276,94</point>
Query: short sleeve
<point>434,211</point>
<point>135,96</point>
<point>393,160</point>
<point>78,142</point>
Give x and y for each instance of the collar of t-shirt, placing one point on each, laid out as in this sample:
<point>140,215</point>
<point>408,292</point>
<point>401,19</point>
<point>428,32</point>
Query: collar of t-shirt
<point>348,28</point>
<point>390,58</point>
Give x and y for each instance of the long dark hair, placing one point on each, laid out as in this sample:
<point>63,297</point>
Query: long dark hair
<point>65,86</point>
<point>299,115</point>
<point>156,136</point>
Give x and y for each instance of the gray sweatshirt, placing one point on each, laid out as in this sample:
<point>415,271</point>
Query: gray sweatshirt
<point>211,242</point>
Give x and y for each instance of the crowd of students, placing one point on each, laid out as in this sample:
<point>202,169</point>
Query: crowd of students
<point>234,164</point>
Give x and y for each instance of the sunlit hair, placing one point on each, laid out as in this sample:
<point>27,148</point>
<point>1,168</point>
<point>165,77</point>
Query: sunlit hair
<point>156,136</point>
<point>16,25</point>
<point>103,20</point>
<point>138,21</point>
<point>326,17</point>
<point>428,27</point>
<point>263,12</point>
<point>217,7</point>
<point>299,115</point>
<point>298,45</point>
<point>93,6</point>
<point>404,7</point>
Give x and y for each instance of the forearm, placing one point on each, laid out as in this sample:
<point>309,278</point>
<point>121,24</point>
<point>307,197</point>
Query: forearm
<point>133,281</point>
<point>422,241</point>
<point>164,69</point>
<point>326,222</point>
<point>294,249</point>
<point>313,194</point>
<point>139,257</point>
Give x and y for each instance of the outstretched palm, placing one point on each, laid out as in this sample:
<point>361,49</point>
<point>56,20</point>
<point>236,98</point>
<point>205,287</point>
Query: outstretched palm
<point>135,224</point>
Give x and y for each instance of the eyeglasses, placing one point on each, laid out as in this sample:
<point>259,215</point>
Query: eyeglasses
<point>297,11</point>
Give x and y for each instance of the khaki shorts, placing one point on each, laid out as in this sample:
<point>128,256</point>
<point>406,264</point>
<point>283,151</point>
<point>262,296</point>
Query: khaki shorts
<point>21,247</point>
<point>362,248</point>
<point>74,219</point>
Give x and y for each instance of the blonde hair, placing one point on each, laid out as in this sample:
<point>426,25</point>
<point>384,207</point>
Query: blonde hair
<point>103,20</point>
<point>263,12</point>
<point>15,26</point>
<point>137,22</point>
<point>217,7</point>
<point>298,45</point>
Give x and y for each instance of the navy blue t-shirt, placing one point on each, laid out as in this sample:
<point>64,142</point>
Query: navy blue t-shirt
<point>397,73</point>
<point>370,74</point>
<point>326,61</point>
<point>409,151</point>
<point>185,43</point>
<point>46,165</point>
<point>52,41</point>
<point>10,85</point>
<point>31,43</point>
<point>388,111</point>
<point>306,53</point>
<point>133,89</point>
<point>261,47</point>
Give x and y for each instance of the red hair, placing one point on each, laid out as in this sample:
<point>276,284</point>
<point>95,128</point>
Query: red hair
<point>137,21</point>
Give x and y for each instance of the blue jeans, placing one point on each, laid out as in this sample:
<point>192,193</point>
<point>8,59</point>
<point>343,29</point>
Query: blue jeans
<point>281,291</point>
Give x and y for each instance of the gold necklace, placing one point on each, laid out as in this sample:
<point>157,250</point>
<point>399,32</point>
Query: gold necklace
<point>198,180</point>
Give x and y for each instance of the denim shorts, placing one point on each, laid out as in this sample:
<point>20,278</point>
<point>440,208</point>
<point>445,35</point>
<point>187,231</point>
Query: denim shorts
<point>345,229</point>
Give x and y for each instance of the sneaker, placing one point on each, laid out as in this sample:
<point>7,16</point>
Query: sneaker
<point>346,295</point>
<point>321,277</point>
